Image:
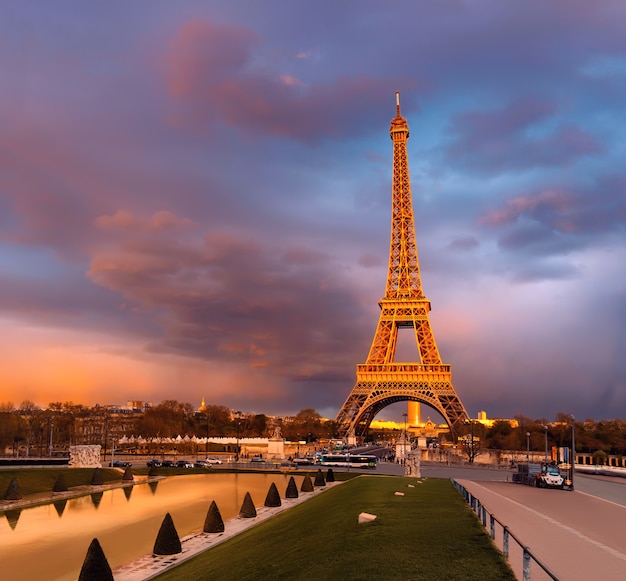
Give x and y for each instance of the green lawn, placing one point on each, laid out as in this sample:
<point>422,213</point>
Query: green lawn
<point>35,480</point>
<point>428,534</point>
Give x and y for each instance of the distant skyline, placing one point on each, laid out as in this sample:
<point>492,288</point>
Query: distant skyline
<point>195,199</point>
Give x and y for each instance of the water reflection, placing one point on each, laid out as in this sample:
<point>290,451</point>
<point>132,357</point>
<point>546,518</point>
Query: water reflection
<point>51,541</point>
<point>60,506</point>
<point>96,498</point>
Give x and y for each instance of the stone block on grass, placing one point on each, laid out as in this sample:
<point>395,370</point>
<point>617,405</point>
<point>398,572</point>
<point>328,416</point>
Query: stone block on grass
<point>213,523</point>
<point>273,498</point>
<point>95,566</point>
<point>167,541</point>
<point>366,517</point>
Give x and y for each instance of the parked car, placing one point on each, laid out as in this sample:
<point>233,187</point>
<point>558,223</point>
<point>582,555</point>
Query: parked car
<point>167,464</point>
<point>184,464</point>
<point>202,464</point>
<point>258,459</point>
<point>153,463</point>
<point>119,464</point>
<point>213,461</point>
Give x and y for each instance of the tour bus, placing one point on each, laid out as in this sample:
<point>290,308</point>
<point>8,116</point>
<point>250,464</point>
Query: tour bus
<point>349,460</point>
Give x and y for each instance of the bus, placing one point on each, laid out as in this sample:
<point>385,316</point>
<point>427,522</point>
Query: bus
<point>349,460</point>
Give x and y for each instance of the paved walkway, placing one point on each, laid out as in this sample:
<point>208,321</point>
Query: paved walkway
<point>577,535</point>
<point>150,566</point>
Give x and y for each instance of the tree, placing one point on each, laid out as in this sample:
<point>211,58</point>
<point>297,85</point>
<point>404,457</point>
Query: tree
<point>470,441</point>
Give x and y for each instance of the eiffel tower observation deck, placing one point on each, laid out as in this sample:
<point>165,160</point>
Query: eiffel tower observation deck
<point>381,381</point>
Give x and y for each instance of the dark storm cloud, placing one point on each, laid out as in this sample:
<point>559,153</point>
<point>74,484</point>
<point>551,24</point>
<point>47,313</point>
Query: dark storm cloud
<point>229,298</point>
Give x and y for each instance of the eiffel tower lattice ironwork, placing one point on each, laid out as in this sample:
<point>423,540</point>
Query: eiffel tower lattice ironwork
<point>380,381</point>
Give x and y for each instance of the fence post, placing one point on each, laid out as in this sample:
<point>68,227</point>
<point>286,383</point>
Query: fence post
<point>484,516</point>
<point>526,565</point>
<point>492,522</point>
<point>505,542</point>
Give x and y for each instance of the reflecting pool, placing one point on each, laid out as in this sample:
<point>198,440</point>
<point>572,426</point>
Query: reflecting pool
<point>50,542</point>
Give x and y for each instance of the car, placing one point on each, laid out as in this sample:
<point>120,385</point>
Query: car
<point>167,464</point>
<point>304,461</point>
<point>202,464</point>
<point>153,463</point>
<point>184,464</point>
<point>213,461</point>
<point>119,464</point>
<point>258,459</point>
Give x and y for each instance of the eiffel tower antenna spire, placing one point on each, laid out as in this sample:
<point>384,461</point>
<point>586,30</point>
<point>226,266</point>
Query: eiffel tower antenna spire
<point>381,381</point>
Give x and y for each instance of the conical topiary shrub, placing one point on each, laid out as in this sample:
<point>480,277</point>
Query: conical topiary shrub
<point>330,475</point>
<point>95,566</point>
<point>319,478</point>
<point>273,498</point>
<point>59,485</point>
<point>307,484</point>
<point>213,522</point>
<point>128,474</point>
<point>96,477</point>
<point>247,507</point>
<point>13,491</point>
<point>167,541</point>
<point>292,489</point>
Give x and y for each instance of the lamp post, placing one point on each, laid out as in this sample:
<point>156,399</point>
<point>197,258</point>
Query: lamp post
<point>404,445</point>
<point>527,446</point>
<point>206,457</point>
<point>546,455</point>
<point>238,414</point>
<point>573,458</point>
<point>50,447</point>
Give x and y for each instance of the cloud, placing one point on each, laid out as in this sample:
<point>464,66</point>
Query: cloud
<point>224,298</point>
<point>518,137</point>
<point>211,78</point>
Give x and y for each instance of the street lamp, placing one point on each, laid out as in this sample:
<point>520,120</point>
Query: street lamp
<point>573,458</point>
<point>238,414</point>
<point>546,456</point>
<point>405,427</point>
<point>207,437</point>
<point>50,447</point>
<point>527,446</point>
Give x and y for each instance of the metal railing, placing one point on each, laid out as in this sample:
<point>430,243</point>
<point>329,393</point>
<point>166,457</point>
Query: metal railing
<point>484,515</point>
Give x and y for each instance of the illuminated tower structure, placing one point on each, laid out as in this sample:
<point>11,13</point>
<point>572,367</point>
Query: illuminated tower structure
<point>380,381</point>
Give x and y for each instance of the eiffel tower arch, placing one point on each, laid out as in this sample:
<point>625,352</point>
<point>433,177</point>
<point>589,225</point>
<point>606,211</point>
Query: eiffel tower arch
<point>381,381</point>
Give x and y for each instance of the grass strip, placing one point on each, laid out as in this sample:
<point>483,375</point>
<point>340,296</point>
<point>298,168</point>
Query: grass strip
<point>36,480</point>
<point>429,533</point>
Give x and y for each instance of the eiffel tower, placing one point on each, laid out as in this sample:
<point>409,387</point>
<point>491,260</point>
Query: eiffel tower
<point>380,381</point>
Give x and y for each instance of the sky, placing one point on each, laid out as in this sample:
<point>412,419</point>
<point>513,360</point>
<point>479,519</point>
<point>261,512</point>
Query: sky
<point>195,199</point>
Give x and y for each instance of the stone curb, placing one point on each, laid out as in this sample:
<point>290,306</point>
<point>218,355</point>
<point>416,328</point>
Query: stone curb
<point>151,566</point>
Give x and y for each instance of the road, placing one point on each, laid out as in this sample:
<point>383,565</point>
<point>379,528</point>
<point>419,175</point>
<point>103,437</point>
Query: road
<point>578,534</point>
